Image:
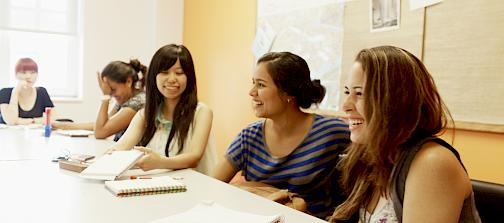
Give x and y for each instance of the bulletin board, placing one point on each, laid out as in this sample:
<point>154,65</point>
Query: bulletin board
<point>461,43</point>
<point>464,51</point>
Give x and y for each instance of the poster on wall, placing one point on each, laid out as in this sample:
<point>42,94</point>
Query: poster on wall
<point>311,29</point>
<point>384,15</point>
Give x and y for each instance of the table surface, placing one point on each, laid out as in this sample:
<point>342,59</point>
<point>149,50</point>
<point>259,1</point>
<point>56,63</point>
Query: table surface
<point>34,189</point>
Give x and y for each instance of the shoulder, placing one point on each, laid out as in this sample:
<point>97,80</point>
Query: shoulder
<point>42,90</point>
<point>136,102</point>
<point>329,121</point>
<point>141,113</point>
<point>435,164</point>
<point>330,125</point>
<point>7,90</point>
<point>253,130</point>
<point>203,112</point>
<point>254,127</point>
<point>5,95</point>
<point>202,107</point>
<point>138,98</point>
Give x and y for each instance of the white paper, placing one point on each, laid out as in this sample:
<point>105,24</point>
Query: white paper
<point>75,133</point>
<point>416,4</point>
<point>213,212</point>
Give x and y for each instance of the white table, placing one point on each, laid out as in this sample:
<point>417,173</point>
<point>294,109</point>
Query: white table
<point>38,191</point>
<point>28,144</point>
<point>34,189</point>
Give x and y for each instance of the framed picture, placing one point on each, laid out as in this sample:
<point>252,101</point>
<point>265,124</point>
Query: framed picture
<point>384,15</point>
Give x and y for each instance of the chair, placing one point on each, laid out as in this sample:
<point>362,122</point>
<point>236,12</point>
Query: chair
<point>489,198</point>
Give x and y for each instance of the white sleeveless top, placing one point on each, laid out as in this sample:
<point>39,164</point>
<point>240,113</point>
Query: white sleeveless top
<point>158,142</point>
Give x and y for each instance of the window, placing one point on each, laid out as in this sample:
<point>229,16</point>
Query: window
<point>48,32</point>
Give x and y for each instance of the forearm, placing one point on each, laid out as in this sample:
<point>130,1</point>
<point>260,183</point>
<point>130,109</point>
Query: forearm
<point>224,171</point>
<point>73,126</point>
<point>187,160</point>
<point>10,113</point>
<point>101,119</point>
<point>24,121</point>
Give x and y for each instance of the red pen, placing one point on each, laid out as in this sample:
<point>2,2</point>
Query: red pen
<point>139,177</point>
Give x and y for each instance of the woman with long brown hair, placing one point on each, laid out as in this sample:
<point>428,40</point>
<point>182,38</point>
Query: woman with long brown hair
<point>396,169</point>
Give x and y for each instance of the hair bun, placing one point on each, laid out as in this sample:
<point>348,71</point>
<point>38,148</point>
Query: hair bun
<point>137,66</point>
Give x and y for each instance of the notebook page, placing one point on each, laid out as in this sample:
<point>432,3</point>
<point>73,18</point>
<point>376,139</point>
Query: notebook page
<point>109,166</point>
<point>213,212</point>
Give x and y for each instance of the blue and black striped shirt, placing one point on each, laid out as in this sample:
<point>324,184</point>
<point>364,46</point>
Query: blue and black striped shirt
<point>309,170</point>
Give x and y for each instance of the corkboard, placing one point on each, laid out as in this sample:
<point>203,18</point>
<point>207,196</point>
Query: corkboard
<point>464,51</point>
<point>461,43</point>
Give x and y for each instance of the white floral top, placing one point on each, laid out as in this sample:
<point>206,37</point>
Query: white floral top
<point>384,213</point>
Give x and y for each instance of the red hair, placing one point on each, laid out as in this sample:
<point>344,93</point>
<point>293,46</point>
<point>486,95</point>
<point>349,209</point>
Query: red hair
<point>26,64</point>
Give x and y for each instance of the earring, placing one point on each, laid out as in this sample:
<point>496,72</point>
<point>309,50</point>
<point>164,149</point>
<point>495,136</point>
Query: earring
<point>288,100</point>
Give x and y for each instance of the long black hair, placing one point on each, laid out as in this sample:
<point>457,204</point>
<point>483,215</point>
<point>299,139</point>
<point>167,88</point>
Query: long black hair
<point>183,114</point>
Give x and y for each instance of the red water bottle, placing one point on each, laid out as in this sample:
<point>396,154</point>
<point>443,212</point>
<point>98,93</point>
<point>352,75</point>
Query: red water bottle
<point>47,121</point>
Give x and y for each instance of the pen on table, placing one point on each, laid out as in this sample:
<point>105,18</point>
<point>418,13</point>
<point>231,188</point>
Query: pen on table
<point>139,177</point>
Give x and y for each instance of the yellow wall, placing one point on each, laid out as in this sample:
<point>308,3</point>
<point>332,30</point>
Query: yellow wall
<point>219,34</point>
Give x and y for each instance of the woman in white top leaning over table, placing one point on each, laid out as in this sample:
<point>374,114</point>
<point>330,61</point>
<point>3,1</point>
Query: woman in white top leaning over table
<point>174,128</point>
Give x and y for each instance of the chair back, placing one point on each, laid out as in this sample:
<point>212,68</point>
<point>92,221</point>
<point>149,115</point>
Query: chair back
<point>489,198</point>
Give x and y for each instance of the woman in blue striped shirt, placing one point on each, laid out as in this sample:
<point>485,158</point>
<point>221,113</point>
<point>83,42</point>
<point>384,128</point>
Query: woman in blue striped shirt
<point>288,148</point>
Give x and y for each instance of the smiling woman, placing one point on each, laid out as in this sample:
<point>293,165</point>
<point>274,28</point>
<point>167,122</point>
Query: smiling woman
<point>124,82</point>
<point>288,148</point>
<point>174,129</point>
<point>24,104</point>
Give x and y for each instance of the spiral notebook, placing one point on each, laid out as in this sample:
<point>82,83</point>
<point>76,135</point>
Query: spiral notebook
<point>138,187</point>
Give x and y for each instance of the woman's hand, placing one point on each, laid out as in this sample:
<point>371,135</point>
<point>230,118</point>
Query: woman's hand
<point>22,85</point>
<point>104,85</point>
<point>151,160</point>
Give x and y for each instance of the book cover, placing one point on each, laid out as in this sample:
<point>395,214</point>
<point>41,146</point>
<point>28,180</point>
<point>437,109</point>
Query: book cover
<point>110,166</point>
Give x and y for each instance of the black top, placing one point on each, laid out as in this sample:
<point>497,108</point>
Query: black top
<point>42,101</point>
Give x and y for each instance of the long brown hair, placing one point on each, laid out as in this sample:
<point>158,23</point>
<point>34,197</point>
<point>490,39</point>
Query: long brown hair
<point>401,104</point>
<point>183,114</point>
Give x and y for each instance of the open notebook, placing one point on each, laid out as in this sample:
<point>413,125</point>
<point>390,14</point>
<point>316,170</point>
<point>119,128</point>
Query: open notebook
<point>111,166</point>
<point>136,187</point>
<point>213,212</point>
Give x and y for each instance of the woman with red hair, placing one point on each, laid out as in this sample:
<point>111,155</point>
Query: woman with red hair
<point>24,104</point>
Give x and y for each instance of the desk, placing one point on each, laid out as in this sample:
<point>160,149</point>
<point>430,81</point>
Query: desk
<point>34,189</point>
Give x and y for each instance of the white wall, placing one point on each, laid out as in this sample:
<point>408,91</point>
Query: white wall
<point>120,30</point>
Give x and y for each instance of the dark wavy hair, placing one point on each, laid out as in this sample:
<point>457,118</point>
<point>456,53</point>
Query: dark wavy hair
<point>183,115</point>
<point>402,105</point>
<point>119,72</point>
<point>291,74</point>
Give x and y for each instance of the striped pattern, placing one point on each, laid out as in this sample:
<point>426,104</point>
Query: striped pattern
<point>309,170</point>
